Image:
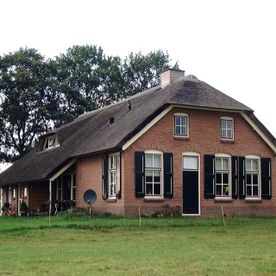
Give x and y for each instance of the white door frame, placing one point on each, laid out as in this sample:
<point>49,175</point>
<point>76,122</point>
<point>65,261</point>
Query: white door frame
<point>195,154</point>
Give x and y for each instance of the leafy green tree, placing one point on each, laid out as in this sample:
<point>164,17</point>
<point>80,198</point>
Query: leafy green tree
<point>86,79</point>
<point>37,94</point>
<point>142,72</point>
<point>25,97</point>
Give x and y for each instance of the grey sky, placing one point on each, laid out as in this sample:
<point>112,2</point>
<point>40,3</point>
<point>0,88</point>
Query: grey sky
<point>229,44</point>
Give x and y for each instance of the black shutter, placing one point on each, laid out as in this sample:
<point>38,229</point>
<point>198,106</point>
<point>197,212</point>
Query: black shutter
<point>235,177</point>
<point>105,176</point>
<point>139,174</point>
<point>241,177</point>
<point>168,175</point>
<point>209,190</point>
<point>266,178</point>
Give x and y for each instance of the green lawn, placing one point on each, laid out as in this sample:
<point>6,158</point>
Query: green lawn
<point>117,246</point>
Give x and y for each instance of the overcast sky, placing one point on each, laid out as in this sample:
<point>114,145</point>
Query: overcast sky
<point>228,44</point>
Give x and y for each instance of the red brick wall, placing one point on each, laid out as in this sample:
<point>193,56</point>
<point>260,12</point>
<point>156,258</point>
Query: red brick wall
<point>204,139</point>
<point>89,176</point>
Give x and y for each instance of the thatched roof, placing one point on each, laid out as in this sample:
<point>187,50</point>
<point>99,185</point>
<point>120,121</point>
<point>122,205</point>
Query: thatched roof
<point>92,132</point>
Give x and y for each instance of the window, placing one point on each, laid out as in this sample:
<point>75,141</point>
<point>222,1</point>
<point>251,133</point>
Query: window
<point>113,174</point>
<point>227,128</point>
<point>14,193</point>
<point>222,176</point>
<point>153,174</point>
<point>252,173</point>
<point>50,142</point>
<point>25,194</point>
<point>181,125</point>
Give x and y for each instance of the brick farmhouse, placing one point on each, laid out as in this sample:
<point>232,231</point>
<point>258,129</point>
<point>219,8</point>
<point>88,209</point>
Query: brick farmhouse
<point>183,146</point>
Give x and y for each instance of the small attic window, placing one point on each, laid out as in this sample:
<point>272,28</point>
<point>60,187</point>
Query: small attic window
<point>50,142</point>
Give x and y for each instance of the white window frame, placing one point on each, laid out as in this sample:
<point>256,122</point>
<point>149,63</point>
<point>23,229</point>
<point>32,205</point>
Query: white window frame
<point>161,195</point>
<point>224,156</point>
<point>253,157</point>
<point>25,192</point>
<point>174,124</point>
<point>56,144</point>
<point>112,193</point>
<point>225,118</point>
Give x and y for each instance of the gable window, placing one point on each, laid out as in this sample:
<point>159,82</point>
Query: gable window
<point>50,142</point>
<point>153,174</point>
<point>181,125</point>
<point>227,128</point>
<point>222,175</point>
<point>252,176</point>
<point>113,174</point>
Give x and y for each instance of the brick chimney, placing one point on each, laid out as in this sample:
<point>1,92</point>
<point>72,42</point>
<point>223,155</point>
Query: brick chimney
<point>171,76</point>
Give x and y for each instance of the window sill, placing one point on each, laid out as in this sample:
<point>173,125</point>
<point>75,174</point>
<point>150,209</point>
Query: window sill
<point>181,138</point>
<point>111,199</point>
<point>223,199</point>
<point>153,198</point>
<point>227,141</point>
<point>256,199</point>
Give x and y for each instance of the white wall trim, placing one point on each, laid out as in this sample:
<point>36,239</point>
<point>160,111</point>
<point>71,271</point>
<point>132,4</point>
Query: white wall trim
<point>62,170</point>
<point>262,135</point>
<point>146,128</point>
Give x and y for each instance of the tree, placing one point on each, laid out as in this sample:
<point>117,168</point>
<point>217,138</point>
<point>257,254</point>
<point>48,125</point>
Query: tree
<point>86,79</point>
<point>25,97</point>
<point>142,72</point>
<point>37,94</point>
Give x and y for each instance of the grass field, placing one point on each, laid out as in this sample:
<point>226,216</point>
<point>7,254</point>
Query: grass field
<point>117,246</point>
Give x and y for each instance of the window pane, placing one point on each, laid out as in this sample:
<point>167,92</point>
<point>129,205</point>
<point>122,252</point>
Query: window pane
<point>218,178</point>
<point>177,130</point>
<point>157,160</point>
<point>225,190</point>
<point>218,164</point>
<point>255,179</point>
<point>225,164</point>
<point>157,177</point>
<point>149,175</point>
<point>225,178</point>
<point>248,190</point>
<point>255,191</point>
<point>248,179</point>
<point>248,164</point>
<point>223,133</point>
<point>149,160</point>
<point>218,190</point>
<point>223,124</point>
<point>177,120</point>
<point>190,162</point>
<point>149,189</point>
<point>157,189</point>
<point>255,164</point>
<point>229,133</point>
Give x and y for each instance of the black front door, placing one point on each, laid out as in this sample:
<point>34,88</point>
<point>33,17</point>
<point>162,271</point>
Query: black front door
<point>190,185</point>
